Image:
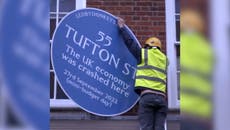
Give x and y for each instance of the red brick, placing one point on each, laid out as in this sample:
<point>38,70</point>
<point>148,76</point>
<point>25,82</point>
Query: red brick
<point>125,3</point>
<point>145,23</point>
<point>136,18</point>
<point>126,8</point>
<point>127,13</point>
<point>111,3</point>
<point>146,8</point>
<point>144,13</point>
<point>94,3</point>
<point>144,3</point>
<point>136,8</point>
<point>144,17</point>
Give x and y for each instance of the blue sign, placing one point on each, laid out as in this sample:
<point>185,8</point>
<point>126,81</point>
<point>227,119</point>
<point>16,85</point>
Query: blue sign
<point>92,63</point>
<point>24,55</point>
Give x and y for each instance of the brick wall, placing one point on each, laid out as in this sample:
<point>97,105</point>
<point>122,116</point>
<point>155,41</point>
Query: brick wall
<point>145,18</point>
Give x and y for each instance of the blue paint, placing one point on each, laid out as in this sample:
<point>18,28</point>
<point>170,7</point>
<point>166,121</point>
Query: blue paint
<point>25,60</point>
<point>92,63</point>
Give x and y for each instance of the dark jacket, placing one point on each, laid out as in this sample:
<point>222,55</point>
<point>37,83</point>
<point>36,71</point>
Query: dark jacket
<point>134,48</point>
<point>131,44</point>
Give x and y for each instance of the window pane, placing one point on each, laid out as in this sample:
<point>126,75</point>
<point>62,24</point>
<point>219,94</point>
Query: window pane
<point>177,6</point>
<point>51,66</point>
<point>61,15</point>
<point>52,27</point>
<point>178,85</point>
<point>178,51</point>
<point>66,5</point>
<point>53,5</point>
<point>60,93</point>
<point>178,70</point>
<point>51,85</point>
<point>177,30</point>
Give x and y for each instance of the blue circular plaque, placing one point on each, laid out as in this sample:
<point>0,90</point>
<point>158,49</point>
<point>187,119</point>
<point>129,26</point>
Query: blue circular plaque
<point>24,60</point>
<point>92,64</point>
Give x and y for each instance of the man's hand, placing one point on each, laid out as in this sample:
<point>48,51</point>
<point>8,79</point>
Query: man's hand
<point>120,22</point>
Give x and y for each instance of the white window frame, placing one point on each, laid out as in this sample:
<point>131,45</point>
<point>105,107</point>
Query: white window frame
<point>220,30</point>
<point>172,89</point>
<point>54,102</point>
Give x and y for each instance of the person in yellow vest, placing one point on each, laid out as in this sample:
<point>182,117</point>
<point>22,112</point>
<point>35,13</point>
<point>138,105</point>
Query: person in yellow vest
<point>196,73</point>
<point>150,81</point>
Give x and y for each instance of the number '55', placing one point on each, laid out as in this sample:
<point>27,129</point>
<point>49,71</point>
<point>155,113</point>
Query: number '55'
<point>105,38</point>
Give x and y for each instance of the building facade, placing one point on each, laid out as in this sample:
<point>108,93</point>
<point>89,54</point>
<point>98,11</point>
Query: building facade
<point>146,18</point>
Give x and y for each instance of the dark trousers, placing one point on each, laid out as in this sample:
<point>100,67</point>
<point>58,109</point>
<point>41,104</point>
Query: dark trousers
<point>152,112</point>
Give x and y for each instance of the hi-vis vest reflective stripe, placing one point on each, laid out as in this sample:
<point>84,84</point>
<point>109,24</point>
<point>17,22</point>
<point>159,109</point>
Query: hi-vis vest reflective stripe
<point>195,77</point>
<point>151,73</point>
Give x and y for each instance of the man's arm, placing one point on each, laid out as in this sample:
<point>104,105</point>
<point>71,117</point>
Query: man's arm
<point>129,41</point>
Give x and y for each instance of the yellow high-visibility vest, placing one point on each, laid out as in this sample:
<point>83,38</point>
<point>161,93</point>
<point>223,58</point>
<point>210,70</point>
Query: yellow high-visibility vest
<point>195,77</point>
<point>151,73</point>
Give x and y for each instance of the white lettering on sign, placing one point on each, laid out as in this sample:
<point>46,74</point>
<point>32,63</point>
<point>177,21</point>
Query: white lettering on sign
<point>86,43</point>
<point>92,64</point>
<point>96,14</point>
<point>127,70</point>
<point>87,65</point>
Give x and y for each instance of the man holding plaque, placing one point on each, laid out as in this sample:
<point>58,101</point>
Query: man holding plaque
<point>150,81</point>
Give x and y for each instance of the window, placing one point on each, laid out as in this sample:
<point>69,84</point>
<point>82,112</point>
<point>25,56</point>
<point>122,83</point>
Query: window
<point>58,9</point>
<point>173,51</point>
<point>177,44</point>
